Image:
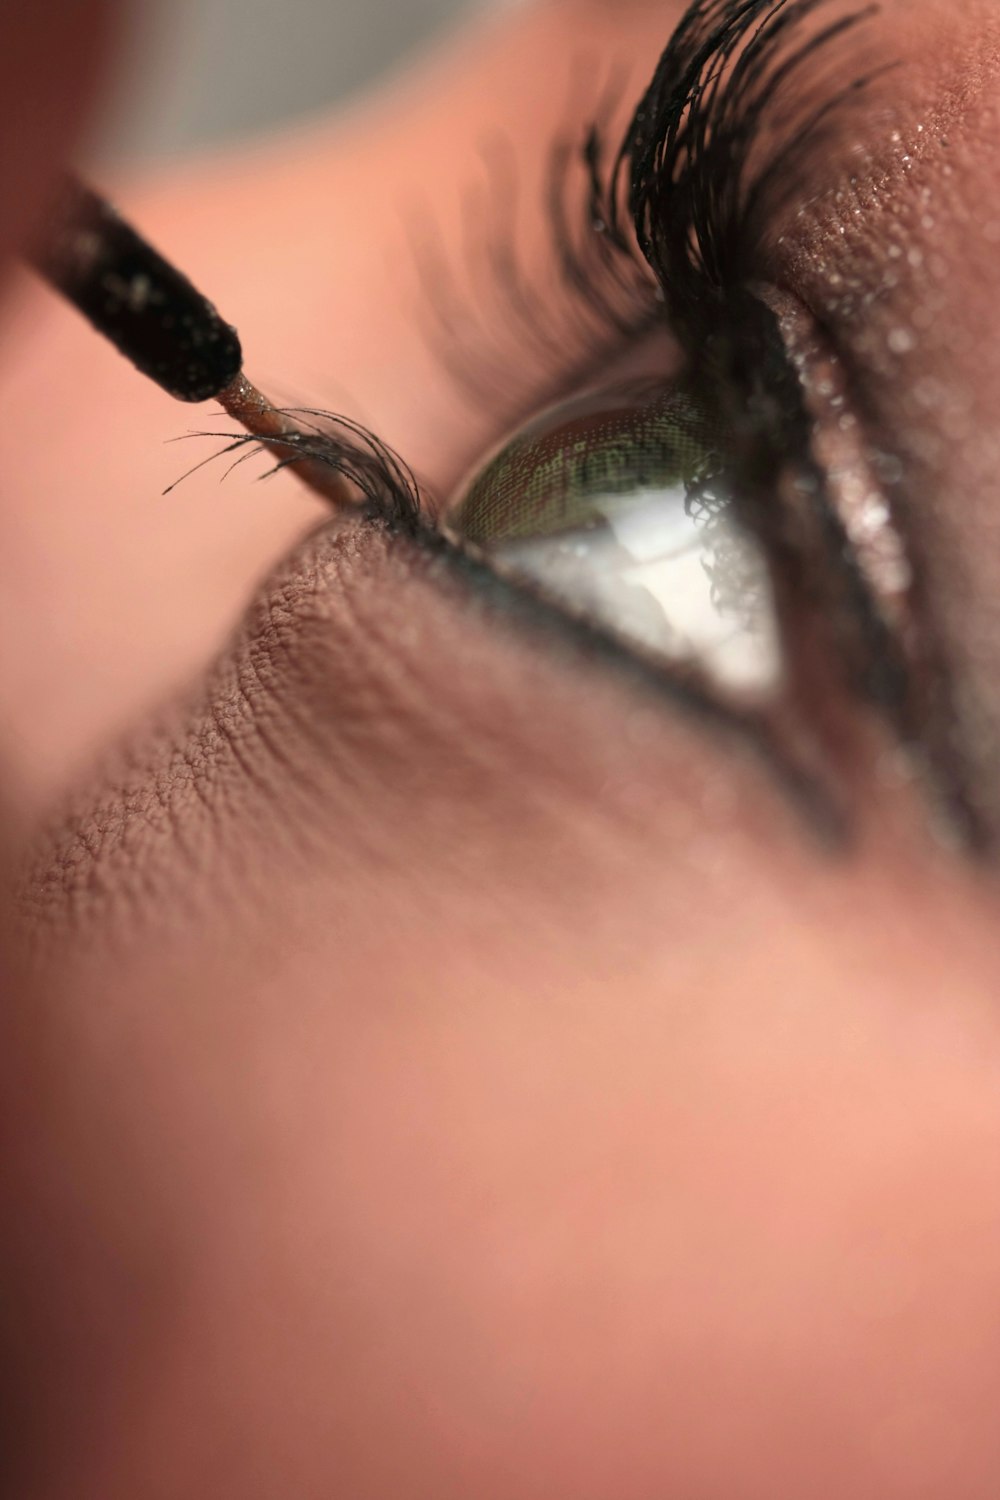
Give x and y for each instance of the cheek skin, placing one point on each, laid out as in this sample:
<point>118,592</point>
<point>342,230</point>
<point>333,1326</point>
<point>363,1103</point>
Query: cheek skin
<point>488,1128</point>
<point>426,1246</point>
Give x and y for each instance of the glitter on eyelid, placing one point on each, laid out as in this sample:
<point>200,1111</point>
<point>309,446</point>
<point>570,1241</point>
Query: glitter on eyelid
<point>614,506</point>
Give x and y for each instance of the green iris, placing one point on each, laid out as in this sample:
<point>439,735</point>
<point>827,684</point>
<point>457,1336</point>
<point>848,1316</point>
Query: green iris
<point>617,507</point>
<point>559,473</point>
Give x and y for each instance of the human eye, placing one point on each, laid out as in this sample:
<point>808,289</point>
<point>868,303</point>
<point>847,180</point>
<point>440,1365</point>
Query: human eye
<point>724,517</point>
<point>702,492</point>
<point>616,505</point>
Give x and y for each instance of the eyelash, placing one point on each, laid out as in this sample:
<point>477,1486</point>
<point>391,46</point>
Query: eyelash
<point>671,229</point>
<point>671,232</point>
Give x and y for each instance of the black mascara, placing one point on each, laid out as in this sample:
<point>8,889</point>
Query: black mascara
<point>159,321</point>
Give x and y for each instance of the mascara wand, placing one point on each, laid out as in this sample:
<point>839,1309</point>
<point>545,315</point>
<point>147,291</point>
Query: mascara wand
<point>163,324</point>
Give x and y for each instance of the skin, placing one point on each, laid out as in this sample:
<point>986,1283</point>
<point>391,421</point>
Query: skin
<point>454,1070</point>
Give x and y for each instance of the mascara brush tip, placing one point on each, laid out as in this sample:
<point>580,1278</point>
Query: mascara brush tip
<point>159,321</point>
<point>142,304</point>
<point>290,445</point>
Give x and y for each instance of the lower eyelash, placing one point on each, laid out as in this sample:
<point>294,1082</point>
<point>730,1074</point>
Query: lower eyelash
<point>785,754</point>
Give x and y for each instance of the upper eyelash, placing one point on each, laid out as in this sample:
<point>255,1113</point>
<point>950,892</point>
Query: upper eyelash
<point>671,233</point>
<point>666,232</point>
<point>698,210</point>
<point>485,315</point>
<point>695,189</point>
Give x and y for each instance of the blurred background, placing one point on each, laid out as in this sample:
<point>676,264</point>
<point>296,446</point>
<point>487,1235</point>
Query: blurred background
<point>294,56</point>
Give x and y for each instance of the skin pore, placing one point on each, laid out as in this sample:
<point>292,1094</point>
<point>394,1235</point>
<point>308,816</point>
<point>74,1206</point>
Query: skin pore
<point>454,1070</point>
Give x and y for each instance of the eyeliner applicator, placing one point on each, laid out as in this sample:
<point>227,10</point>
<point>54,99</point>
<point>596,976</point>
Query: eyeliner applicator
<point>163,324</point>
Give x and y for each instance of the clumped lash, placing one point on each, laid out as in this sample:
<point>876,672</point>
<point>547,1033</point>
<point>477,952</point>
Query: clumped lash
<point>386,486</point>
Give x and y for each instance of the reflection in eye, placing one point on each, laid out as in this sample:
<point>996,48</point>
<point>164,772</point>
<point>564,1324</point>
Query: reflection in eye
<point>615,506</point>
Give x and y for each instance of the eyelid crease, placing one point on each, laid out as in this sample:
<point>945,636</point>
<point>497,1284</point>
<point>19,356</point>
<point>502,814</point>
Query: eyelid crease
<point>857,493</point>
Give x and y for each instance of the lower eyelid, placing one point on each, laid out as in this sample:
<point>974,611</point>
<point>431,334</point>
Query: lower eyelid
<point>583,655</point>
<point>373,689</point>
<point>898,659</point>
